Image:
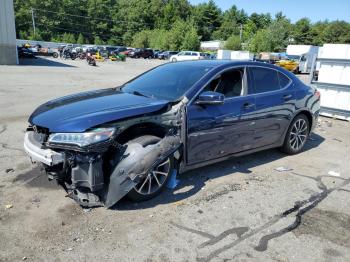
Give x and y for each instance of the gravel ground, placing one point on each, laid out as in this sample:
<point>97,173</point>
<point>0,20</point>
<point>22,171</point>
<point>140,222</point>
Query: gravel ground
<point>238,210</point>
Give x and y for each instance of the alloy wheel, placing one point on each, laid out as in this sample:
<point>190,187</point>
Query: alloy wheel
<point>298,134</point>
<point>154,179</point>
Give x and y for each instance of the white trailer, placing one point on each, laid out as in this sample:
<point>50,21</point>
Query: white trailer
<point>304,54</point>
<point>333,64</point>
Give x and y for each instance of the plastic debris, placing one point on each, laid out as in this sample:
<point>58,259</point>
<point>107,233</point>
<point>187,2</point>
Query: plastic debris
<point>283,169</point>
<point>8,206</point>
<point>9,170</point>
<point>173,182</point>
<point>69,249</point>
<point>333,173</point>
<point>24,258</point>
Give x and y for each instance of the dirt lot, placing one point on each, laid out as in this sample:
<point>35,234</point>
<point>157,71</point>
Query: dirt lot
<point>238,210</point>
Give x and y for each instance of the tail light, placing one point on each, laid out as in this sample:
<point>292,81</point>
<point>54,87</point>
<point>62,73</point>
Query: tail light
<point>318,94</point>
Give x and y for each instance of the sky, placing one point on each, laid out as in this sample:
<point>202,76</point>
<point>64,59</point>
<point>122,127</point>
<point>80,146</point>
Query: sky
<point>315,10</point>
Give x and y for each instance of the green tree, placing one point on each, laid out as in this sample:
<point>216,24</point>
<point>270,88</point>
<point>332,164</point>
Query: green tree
<point>260,42</point>
<point>81,39</point>
<point>191,40</point>
<point>336,32</point>
<point>232,20</point>
<point>302,32</point>
<point>68,38</point>
<point>98,41</point>
<point>207,18</point>
<point>233,43</point>
<point>141,39</point>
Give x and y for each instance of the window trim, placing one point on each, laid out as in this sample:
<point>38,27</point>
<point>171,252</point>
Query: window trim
<point>278,71</point>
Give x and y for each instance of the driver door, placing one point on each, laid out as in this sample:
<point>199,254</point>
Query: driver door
<point>215,131</point>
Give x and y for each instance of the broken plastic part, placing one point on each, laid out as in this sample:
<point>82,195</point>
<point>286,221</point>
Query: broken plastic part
<point>173,182</point>
<point>135,163</point>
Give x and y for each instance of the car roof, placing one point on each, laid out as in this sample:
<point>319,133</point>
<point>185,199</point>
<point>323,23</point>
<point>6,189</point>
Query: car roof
<point>228,63</point>
<point>222,64</point>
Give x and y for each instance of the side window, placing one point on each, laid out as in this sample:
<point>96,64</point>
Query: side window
<point>229,83</point>
<point>283,80</point>
<point>194,54</point>
<point>264,79</point>
<point>187,53</point>
<point>181,53</point>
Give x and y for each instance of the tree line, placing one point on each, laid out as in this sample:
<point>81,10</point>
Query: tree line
<point>168,25</point>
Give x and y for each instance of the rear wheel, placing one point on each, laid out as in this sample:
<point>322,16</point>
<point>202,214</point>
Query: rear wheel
<point>297,135</point>
<point>155,181</point>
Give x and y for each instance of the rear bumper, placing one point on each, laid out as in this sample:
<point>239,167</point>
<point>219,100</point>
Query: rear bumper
<point>46,156</point>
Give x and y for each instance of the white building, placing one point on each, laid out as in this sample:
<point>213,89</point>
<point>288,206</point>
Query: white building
<point>8,48</point>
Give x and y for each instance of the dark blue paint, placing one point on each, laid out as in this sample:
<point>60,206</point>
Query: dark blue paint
<point>79,112</point>
<point>213,131</point>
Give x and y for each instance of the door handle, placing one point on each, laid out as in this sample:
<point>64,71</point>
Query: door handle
<point>248,105</point>
<point>287,97</point>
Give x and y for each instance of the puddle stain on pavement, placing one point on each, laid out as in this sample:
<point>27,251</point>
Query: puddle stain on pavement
<point>316,222</point>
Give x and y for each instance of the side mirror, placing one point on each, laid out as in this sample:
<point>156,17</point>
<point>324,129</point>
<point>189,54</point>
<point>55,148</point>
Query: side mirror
<point>210,98</point>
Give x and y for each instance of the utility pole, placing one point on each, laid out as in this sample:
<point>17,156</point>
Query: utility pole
<point>240,32</point>
<point>33,21</point>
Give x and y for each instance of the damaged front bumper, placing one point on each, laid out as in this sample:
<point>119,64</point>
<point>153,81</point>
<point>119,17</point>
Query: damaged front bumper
<point>34,149</point>
<point>85,175</point>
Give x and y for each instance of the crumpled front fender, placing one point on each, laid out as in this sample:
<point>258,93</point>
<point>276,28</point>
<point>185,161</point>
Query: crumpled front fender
<point>135,162</point>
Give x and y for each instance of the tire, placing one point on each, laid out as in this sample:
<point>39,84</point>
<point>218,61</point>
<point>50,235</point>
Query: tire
<point>174,60</point>
<point>297,135</point>
<point>138,193</point>
<point>55,55</point>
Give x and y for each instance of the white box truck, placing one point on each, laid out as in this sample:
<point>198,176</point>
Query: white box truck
<point>303,54</point>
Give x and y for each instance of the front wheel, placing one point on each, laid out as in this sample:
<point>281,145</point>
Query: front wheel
<point>155,181</point>
<point>174,60</point>
<point>297,135</point>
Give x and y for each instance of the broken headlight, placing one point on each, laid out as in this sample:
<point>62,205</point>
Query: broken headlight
<point>82,139</point>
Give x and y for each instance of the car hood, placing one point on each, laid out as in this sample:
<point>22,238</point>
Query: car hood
<point>79,112</point>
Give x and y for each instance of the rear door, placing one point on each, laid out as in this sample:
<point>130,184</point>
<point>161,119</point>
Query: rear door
<point>275,104</point>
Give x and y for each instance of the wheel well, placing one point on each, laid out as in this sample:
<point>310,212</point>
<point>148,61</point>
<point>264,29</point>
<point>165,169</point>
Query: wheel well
<point>307,114</point>
<point>141,129</point>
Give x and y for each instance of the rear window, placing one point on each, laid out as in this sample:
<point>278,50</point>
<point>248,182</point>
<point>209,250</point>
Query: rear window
<point>283,80</point>
<point>264,79</point>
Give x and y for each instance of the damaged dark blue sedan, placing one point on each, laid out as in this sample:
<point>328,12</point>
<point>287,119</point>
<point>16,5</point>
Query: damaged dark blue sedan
<point>127,141</point>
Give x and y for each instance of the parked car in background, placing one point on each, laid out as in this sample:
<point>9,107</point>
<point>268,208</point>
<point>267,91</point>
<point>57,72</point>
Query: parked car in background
<point>142,53</point>
<point>187,55</point>
<point>157,52</point>
<point>127,51</point>
<point>105,144</point>
<point>167,54</point>
<point>120,49</point>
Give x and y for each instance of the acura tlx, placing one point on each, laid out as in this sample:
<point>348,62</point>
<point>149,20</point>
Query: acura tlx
<point>128,141</point>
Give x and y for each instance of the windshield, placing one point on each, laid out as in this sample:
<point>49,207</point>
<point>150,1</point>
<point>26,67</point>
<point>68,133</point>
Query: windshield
<point>293,57</point>
<point>170,81</point>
